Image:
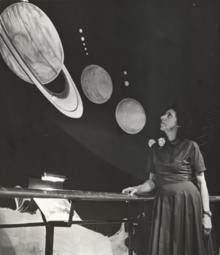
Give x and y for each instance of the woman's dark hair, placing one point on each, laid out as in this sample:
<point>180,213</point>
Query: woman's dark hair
<point>183,120</point>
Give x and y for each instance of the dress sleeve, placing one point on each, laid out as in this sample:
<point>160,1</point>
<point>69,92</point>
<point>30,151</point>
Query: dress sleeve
<point>196,159</point>
<point>150,162</point>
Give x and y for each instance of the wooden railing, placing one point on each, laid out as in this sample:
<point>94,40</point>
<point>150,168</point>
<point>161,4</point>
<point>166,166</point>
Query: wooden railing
<point>71,194</point>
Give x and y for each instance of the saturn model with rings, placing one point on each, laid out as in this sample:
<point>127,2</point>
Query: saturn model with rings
<point>31,47</point>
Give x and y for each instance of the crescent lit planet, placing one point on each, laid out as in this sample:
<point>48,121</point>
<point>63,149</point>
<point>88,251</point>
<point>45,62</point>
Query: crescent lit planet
<point>96,84</point>
<point>151,142</point>
<point>130,116</point>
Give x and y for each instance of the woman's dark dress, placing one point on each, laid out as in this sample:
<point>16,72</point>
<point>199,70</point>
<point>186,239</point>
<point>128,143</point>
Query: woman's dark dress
<point>177,214</point>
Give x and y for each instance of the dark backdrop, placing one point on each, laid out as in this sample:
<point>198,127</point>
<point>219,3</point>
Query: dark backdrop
<point>170,50</point>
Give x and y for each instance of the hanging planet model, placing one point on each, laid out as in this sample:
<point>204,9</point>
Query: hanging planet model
<point>130,116</point>
<point>96,84</point>
<point>31,47</point>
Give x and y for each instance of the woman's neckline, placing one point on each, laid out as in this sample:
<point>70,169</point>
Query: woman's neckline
<point>174,141</point>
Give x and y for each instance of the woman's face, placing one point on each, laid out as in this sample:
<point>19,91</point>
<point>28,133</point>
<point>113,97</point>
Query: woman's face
<point>168,120</point>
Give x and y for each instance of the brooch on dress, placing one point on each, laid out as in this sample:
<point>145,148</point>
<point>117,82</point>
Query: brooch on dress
<point>161,142</point>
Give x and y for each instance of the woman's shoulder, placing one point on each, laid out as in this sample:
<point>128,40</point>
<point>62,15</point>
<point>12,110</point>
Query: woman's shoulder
<point>182,143</point>
<point>190,143</point>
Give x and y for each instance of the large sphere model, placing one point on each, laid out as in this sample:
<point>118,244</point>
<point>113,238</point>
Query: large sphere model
<point>130,116</point>
<point>34,38</point>
<point>96,84</point>
<point>31,47</point>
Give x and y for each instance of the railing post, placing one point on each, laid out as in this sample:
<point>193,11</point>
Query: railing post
<point>130,235</point>
<point>69,223</point>
<point>49,240</point>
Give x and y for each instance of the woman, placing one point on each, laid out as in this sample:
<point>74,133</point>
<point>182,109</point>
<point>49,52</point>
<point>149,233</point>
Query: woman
<point>181,222</point>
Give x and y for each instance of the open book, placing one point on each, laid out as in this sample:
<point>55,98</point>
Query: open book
<point>25,205</point>
<point>56,209</point>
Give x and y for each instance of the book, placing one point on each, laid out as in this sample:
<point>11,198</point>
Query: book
<point>48,181</point>
<point>53,177</point>
<point>44,184</point>
<point>56,209</point>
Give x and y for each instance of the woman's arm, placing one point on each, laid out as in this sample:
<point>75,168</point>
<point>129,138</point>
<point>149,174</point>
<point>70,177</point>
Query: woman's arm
<point>207,224</point>
<point>147,186</point>
<point>203,190</point>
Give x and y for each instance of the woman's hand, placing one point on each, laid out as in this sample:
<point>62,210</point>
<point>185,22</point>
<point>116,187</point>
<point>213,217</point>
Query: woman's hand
<point>206,221</point>
<point>207,225</point>
<point>131,190</point>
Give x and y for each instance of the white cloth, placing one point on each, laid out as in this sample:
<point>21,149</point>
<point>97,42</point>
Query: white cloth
<point>76,240</point>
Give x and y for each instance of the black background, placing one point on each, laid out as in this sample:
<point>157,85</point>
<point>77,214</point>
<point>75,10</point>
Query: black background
<point>170,50</point>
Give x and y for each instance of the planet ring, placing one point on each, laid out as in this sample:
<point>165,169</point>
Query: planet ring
<point>68,102</point>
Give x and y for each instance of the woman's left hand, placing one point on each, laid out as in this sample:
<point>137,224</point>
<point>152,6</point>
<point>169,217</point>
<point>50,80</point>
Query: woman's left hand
<point>207,225</point>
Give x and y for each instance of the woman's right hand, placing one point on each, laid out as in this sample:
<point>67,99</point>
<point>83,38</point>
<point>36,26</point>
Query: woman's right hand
<point>131,190</point>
